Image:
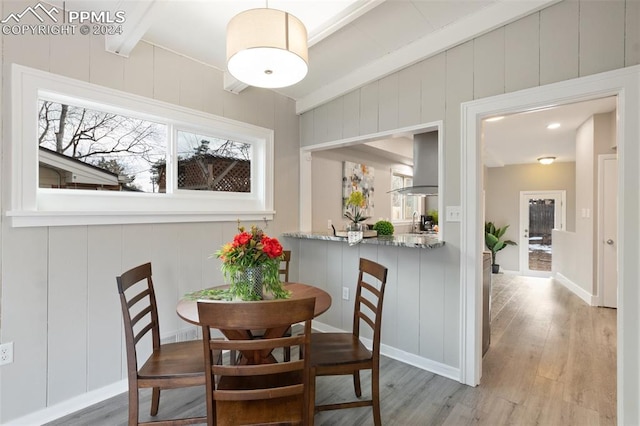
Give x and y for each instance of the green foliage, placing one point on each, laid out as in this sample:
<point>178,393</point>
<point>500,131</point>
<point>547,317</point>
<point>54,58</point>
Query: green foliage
<point>383,227</point>
<point>252,249</point>
<point>434,214</point>
<point>493,239</point>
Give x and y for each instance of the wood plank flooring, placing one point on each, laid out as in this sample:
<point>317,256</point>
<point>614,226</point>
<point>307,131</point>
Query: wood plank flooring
<point>552,361</point>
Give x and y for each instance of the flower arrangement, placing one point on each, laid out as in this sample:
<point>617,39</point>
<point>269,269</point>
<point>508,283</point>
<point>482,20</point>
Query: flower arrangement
<point>258,253</point>
<point>355,203</point>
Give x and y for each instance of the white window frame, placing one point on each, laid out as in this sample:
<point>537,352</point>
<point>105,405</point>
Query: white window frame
<point>403,174</point>
<point>34,206</point>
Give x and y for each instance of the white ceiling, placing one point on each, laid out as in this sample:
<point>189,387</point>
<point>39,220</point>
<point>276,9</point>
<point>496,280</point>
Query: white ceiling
<point>352,42</point>
<point>523,138</point>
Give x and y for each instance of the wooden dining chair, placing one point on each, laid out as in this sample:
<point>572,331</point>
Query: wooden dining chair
<point>172,365</point>
<point>335,354</point>
<point>284,266</point>
<point>253,391</point>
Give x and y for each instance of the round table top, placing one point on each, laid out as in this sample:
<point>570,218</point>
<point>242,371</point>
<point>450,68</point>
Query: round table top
<point>188,309</point>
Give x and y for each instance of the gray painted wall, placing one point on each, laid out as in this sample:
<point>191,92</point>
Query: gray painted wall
<point>502,199</point>
<point>59,301</point>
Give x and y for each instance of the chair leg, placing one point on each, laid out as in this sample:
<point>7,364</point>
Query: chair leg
<point>311,403</point>
<point>155,401</point>
<point>133,406</point>
<point>356,383</point>
<point>375,396</point>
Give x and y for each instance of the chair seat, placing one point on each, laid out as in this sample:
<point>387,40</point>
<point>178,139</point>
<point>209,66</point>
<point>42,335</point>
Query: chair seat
<point>337,349</point>
<point>175,360</point>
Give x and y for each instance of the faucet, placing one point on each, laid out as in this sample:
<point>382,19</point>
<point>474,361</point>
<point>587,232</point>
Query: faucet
<point>413,221</point>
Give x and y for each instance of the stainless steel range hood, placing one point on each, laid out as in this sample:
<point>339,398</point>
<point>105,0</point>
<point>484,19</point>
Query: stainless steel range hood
<point>425,166</point>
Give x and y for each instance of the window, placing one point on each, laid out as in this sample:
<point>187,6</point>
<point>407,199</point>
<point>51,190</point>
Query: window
<point>403,206</point>
<point>82,148</point>
<point>85,154</point>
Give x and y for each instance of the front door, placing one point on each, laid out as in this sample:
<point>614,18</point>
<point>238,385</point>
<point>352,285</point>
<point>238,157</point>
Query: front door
<point>540,213</point>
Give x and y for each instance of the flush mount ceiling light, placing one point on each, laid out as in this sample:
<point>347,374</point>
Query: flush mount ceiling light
<point>546,160</point>
<point>552,126</point>
<point>267,48</point>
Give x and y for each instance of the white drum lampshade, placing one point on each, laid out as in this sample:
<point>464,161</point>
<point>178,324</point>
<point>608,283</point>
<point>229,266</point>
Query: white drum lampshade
<point>267,48</point>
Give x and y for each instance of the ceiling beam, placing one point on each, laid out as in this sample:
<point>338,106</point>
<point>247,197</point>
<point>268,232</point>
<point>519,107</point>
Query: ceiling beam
<point>486,20</point>
<point>138,18</point>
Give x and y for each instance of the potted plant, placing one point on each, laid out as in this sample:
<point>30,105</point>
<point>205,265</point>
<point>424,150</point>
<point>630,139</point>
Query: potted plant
<point>356,204</point>
<point>250,263</point>
<point>494,242</point>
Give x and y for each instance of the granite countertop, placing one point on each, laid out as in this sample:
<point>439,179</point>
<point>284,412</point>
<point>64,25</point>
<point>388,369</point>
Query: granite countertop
<point>428,241</point>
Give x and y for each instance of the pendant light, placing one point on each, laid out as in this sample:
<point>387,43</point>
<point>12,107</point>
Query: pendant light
<point>267,48</point>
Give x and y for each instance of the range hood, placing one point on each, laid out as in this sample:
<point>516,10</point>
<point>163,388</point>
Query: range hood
<point>425,166</point>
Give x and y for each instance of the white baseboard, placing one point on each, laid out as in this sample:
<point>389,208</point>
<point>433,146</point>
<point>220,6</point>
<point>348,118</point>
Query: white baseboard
<point>72,405</point>
<point>427,364</point>
<point>87,399</point>
<point>583,294</point>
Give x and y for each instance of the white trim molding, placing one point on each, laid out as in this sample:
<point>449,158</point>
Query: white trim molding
<point>625,84</point>
<point>574,288</point>
<point>31,205</point>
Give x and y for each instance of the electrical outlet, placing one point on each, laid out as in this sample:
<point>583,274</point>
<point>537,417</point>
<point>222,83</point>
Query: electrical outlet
<point>6,353</point>
<point>329,224</point>
<point>345,293</point>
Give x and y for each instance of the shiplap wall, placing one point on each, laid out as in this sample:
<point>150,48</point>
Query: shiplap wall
<point>413,313</point>
<point>59,300</point>
<point>564,41</point>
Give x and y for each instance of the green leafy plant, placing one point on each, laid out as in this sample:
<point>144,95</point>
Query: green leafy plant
<point>434,214</point>
<point>493,239</point>
<point>383,227</point>
<point>356,202</point>
<point>252,249</point>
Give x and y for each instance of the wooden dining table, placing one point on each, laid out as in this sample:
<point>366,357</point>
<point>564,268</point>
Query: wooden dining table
<point>187,308</point>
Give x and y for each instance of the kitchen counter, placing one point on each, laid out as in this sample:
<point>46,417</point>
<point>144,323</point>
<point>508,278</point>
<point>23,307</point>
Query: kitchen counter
<point>428,241</point>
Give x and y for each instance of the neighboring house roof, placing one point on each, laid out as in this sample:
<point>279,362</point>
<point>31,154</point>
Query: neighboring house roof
<point>80,171</point>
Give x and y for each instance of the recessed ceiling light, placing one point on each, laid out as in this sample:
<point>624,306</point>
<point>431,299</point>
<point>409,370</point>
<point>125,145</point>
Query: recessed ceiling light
<point>546,160</point>
<point>492,119</point>
<point>552,126</point>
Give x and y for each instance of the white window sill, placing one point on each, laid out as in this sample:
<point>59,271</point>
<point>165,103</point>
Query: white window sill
<point>72,218</point>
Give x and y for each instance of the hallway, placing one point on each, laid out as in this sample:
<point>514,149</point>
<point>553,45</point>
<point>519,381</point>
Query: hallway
<point>552,358</point>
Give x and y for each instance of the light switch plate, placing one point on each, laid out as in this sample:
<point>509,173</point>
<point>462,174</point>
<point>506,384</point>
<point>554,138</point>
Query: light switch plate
<point>454,214</point>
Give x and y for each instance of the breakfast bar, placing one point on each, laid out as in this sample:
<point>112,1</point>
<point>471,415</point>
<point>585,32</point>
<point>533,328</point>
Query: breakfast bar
<point>420,313</point>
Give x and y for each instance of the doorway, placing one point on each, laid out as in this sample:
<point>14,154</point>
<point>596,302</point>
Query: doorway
<point>540,213</point>
<point>624,83</point>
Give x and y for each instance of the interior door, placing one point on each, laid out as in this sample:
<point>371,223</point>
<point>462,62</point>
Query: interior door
<point>540,213</point>
<point>608,247</point>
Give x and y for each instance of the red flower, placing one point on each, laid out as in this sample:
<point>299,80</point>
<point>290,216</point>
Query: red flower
<point>272,247</point>
<point>241,239</point>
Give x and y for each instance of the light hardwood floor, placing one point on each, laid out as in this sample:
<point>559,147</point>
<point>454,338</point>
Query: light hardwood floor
<point>552,361</point>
